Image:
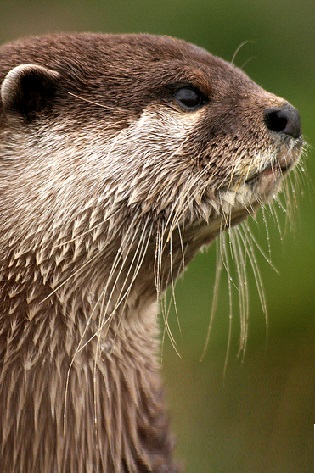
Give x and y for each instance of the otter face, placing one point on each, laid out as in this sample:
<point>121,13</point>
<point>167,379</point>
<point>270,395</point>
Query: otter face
<point>137,124</point>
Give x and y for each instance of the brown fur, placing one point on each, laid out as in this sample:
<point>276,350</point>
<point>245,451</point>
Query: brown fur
<point>108,189</point>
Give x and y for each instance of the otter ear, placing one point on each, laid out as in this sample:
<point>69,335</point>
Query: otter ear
<point>27,89</point>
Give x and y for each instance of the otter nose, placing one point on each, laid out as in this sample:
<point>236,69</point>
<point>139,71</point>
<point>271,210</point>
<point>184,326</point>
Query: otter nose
<point>284,119</point>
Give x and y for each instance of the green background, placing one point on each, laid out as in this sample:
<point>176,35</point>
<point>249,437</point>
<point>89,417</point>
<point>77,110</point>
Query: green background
<point>258,414</point>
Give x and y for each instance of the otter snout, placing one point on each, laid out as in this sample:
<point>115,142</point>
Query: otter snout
<point>285,119</point>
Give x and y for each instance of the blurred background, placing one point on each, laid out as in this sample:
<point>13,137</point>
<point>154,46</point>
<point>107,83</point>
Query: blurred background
<point>255,411</point>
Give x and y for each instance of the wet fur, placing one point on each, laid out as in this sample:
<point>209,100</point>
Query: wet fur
<point>107,192</point>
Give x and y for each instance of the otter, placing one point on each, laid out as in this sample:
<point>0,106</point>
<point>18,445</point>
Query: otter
<point>120,157</point>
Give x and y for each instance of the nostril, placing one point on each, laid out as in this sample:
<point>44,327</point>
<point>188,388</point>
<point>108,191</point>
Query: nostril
<point>274,121</point>
<point>284,119</point>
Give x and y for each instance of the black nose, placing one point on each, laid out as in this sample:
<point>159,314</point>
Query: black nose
<point>284,119</point>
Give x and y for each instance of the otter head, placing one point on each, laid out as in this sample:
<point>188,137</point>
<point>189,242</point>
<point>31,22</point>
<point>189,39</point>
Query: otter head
<point>111,140</point>
<point>102,132</point>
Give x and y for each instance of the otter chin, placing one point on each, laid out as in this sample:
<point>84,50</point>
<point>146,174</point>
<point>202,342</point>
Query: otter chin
<point>120,157</point>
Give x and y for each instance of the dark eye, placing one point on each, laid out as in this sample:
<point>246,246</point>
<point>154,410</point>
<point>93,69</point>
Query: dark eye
<point>190,98</point>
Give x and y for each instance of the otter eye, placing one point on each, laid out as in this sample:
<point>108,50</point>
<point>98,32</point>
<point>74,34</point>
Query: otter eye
<point>190,98</point>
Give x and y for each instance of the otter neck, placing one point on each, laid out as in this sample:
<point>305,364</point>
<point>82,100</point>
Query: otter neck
<point>72,354</point>
<point>79,341</point>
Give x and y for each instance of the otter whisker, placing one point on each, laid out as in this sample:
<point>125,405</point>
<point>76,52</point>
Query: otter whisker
<point>264,217</point>
<point>273,212</point>
<point>128,236</point>
<point>240,260</point>
<point>139,255</point>
<point>121,297</point>
<point>251,237</point>
<point>165,309</point>
<point>241,45</point>
<point>182,266</point>
<point>225,260</point>
<point>173,281</point>
<point>214,302</point>
<point>248,246</point>
<point>158,281</point>
<point>93,102</point>
<point>188,198</point>
<point>106,318</point>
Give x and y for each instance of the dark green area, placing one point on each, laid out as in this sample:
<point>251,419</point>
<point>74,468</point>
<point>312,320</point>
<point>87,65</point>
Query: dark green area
<point>259,415</point>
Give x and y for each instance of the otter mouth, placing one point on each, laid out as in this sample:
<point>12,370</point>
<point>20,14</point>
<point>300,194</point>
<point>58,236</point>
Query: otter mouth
<point>261,184</point>
<point>278,168</point>
<point>275,171</point>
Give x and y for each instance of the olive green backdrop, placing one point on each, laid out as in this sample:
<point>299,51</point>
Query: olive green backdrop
<point>258,414</point>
